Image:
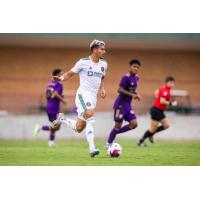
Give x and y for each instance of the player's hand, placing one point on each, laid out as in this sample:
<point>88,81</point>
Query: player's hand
<point>137,97</point>
<point>174,103</point>
<point>102,93</point>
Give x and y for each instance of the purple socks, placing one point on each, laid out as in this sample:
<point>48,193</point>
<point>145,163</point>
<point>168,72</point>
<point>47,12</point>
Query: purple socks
<point>45,128</point>
<point>116,131</point>
<point>52,136</point>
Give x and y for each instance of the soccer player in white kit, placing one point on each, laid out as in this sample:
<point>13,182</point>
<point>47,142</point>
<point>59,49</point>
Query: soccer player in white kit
<point>92,71</point>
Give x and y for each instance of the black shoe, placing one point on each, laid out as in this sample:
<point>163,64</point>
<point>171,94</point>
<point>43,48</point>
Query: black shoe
<point>141,144</point>
<point>151,139</point>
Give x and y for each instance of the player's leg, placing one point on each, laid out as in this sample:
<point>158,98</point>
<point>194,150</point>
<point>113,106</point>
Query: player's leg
<point>52,135</point>
<point>114,132</point>
<point>164,125</point>
<point>149,133</point>
<point>129,116</point>
<point>76,125</point>
<point>62,119</point>
<point>39,128</point>
<point>89,131</point>
<point>118,118</point>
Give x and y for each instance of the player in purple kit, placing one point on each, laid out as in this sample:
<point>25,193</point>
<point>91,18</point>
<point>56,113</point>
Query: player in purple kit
<point>54,95</point>
<point>122,106</point>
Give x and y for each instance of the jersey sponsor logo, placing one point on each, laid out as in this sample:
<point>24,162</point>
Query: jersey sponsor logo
<point>90,73</point>
<point>95,74</point>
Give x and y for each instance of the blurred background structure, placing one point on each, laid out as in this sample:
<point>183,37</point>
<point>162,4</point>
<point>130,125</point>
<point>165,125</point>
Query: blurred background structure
<point>27,60</point>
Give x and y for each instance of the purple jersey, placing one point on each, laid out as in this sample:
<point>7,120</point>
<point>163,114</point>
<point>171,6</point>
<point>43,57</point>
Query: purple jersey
<point>53,103</point>
<point>129,83</point>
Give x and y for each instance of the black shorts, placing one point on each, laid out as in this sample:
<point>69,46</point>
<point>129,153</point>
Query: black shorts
<point>157,114</point>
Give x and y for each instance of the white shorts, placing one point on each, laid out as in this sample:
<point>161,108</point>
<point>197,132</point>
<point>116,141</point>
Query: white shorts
<point>84,101</point>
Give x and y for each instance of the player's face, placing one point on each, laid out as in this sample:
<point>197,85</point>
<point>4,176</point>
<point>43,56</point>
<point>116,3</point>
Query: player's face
<point>134,69</point>
<point>170,84</point>
<point>60,74</point>
<point>100,51</point>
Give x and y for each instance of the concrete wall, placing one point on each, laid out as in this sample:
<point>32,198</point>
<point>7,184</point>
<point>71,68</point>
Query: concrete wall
<point>21,127</point>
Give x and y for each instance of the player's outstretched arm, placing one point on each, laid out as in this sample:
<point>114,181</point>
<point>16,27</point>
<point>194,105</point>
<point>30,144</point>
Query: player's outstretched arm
<point>65,76</point>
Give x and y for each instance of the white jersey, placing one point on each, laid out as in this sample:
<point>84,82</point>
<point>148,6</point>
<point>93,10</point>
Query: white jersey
<point>90,74</point>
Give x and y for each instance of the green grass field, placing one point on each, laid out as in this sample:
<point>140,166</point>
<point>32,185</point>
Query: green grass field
<point>75,153</point>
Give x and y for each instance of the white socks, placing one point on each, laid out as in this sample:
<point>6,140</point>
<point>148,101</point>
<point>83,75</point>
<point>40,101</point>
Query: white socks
<point>70,123</point>
<point>89,132</point>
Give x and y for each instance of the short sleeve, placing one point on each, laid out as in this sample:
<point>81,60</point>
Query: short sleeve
<point>58,88</point>
<point>163,93</point>
<point>77,67</point>
<point>123,82</point>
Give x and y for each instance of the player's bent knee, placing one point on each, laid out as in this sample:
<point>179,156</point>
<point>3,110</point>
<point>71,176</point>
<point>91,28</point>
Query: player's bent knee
<point>57,128</point>
<point>79,129</point>
<point>133,125</point>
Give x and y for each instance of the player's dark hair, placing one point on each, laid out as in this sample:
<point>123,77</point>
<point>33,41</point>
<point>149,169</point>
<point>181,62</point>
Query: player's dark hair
<point>56,72</point>
<point>135,61</point>
<point>169,78</point>
<point>94,47</point>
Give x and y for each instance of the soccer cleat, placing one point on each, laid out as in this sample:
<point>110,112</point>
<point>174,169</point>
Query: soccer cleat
<point>52,144</point>
<point>36,129</point>
<point>58,121</point>
<point>151,139</point>
<point>107,145</point>
<point>141,144</point>
<point>94,153</point>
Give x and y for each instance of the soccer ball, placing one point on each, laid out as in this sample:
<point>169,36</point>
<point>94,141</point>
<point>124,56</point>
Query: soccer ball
<point>115,150</point>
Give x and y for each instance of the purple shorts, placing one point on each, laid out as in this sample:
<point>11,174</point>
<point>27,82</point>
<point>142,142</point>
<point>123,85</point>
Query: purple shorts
<point>52,116</point>
<point>121,114</point>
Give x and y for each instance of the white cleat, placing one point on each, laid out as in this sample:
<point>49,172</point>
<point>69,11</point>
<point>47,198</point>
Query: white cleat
<point>58,121</point>
<point>36,129</point>
<point>52,144</point>
<point>94,153</point>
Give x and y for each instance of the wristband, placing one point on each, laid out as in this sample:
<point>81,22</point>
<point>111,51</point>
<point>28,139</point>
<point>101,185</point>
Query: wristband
<point>62,78</point>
